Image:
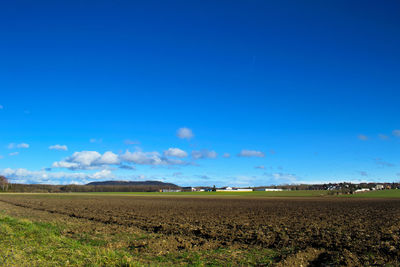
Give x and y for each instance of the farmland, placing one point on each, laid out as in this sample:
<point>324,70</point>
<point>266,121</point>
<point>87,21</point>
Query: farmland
<point>209,229</point>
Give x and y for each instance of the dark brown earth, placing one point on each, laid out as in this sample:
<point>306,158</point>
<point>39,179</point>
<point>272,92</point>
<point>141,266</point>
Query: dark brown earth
<point>314,231</point>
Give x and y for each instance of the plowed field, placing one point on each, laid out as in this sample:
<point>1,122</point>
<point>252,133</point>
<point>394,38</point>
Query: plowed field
<point>315,231</point>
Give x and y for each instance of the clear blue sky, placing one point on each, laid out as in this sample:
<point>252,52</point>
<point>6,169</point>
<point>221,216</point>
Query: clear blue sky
<point>293,91</point>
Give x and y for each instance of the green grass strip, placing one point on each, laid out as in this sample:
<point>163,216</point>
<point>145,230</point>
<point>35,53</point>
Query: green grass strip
<point>26,243</point>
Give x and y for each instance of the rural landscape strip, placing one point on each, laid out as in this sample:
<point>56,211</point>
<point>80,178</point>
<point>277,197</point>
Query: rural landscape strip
<point>330,230</point>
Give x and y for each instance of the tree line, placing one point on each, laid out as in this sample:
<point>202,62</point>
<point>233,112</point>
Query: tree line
<point>5,186</point>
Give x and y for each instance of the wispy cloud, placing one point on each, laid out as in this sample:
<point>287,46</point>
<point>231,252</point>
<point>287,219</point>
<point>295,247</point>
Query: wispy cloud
<point>226,155</point>
<point>396,133</point>
<point>14,145</point>
<point>184,133</point>
<point>260,167</point>
<point>149,158</point>
<point>363,137</point>
<point>175,152</point>
<point>363,173</point>
<point>127,167</point>
<point>131,142</point>
<point>14,154</point>
<point>281,178</point>
<point>383,163</point>
<point>251,153</point>
<point>203,177</point>
<point>383,137</point>
<point>58,147</point>
<point>204,154</point>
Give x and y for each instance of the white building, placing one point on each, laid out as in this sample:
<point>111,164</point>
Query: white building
<point>379,187</point>
<point>269,189</point>
<point>170,190</point>
<point>244,189</point>
<point>362,190</point>
<point>230,189</point>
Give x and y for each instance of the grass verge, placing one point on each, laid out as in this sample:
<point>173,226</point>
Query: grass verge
<point>27,243</point>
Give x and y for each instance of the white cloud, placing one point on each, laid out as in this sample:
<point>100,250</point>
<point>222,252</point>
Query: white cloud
<point>363,137</point>
<point>89,160</point>
<point>86,160</point>
<point>103,174</point>
<point>58,147</point>
<point>260,167</point>
<point>226,155</point>
<point>396,133</point>
<point>14,154</point>
<point>94,140</point>
<point>109,158</point>
<point>251,153</point>
<point>204,154</point>
<point>175,152</point>
<point>139,157</point>
<point>22,145</point>
<point>149,158</point>
<point>66,164</point>
<point>185,133</point>
<point>27,176</point>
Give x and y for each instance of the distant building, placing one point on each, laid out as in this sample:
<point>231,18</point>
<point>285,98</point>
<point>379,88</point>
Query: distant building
<point>230,189</point>
<point>362,190</point>
<point>379,187</point>
<point>269,189</point>
<point>188,189</point>
<point>244,189</point>
<point>170,190</point>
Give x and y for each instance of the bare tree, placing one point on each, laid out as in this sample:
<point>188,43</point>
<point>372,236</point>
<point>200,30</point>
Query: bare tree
<point>3,183</point>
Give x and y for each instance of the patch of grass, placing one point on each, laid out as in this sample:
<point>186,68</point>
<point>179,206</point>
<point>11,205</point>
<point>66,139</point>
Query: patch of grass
<point>393,193</point>
<point>26,243</point>
<point>293,193</point>
<point>221,257</point>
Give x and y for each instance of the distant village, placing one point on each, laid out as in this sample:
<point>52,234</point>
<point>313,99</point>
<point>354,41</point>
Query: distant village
<point>339,188</point>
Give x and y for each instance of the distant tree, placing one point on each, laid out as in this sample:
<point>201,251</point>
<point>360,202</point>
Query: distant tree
<point>3,183</point>
<point>214,188</point>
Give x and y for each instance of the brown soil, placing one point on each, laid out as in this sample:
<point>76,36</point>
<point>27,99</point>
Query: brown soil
<point>315,232</point>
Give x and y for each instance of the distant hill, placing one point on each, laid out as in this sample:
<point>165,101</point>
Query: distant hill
<point>134,183</point>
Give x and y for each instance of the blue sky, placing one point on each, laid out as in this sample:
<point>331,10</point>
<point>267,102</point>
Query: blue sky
<point>266,92</point>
